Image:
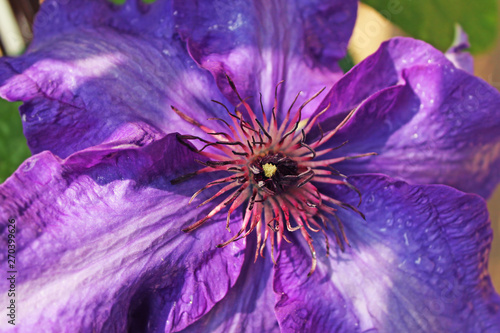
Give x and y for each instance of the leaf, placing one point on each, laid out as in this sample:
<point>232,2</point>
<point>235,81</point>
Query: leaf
<point>434,20</point>
<point>346,63</point>
<point>13,148</point>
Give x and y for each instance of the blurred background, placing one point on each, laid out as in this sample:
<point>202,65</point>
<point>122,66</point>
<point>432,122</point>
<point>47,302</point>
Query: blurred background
<point>431,20</point>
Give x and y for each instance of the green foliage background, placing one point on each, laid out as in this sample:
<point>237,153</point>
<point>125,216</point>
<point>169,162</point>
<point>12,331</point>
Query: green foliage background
<point>434,20</point>
<point>13,148</point>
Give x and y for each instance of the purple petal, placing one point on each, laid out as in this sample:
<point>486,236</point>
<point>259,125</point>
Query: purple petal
<point>249,305</point>
<point>100,246</point>
<point>260,43</point>
<point>458,54</point>
<point>90,79</point>
<point>133,17</point>
<point>428,121</point>
<point>417,264</point>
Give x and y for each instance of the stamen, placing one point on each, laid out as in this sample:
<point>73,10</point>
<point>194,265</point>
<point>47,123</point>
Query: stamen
<point>303,144</point>
<point>225,180</point>
<point>269,169</point>
<point>274,173</point>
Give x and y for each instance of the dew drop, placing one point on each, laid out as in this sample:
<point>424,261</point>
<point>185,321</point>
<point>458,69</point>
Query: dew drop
<point>29,165</point>
<point>405,236</point>
<point>233,25</point>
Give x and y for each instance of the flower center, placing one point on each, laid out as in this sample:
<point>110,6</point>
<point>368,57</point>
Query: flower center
<point>274,173</point>
<point>272,170</point>
<point>269,170</point>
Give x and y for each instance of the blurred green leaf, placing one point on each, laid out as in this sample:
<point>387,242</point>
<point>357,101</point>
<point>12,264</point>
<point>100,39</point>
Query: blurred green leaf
<point>434,20</point>
<point>13,148</point>
<point>346,63</point>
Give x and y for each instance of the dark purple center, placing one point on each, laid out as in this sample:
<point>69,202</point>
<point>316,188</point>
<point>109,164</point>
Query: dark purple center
<point>284,177</point>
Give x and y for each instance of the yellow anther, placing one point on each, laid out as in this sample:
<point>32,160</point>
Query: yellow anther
<point>269,169</point>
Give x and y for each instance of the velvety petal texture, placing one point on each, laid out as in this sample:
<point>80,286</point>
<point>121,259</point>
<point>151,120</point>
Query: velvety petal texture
<point>99,245</point>
<point>99,72</point>
<point>249,305</point>
<point>417,264</point>
<point>260,42</point>
<point>428,121</point>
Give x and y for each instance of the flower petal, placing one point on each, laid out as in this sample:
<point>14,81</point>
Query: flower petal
<point>259,43</point>
<point>90,82</point>
<point>249,305</point>
<point>100,246</point>
<point>417,264</point>
<point>428,121</point>
<point>458,53</point>
<point>132,17</point>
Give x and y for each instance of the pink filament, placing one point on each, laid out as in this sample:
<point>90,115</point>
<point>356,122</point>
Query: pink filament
<point>270,214</point>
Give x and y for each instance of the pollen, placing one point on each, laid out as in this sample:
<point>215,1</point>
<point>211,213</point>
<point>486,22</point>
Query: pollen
<point>269,169</point>
<point>272,170</point>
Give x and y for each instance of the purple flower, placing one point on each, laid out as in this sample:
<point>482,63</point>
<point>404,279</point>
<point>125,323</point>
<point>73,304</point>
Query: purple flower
<point>100,206</point>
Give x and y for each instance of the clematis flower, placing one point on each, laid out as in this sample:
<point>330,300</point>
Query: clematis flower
<point>100,207</point>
